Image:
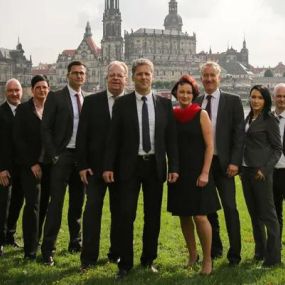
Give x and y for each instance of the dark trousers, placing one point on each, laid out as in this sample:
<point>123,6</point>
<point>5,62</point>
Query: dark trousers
<point>96,190</point>
<point>63,173</point>
<point>258,195</point>
<point>5,196</point>
<point>146,178</point>
<point>34,200</point>
<point>16,203</point>
<point>279,195</point>
<point>227,193</point>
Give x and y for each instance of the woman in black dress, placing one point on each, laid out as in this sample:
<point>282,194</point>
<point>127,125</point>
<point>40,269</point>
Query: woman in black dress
<point>193,196</point>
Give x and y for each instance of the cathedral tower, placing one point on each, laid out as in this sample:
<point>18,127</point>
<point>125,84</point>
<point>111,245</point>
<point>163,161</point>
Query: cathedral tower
<point>112,41</point>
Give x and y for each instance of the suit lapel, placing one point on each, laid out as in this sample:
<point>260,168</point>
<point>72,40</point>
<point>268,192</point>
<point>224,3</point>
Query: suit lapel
<point>220,111</point>
<point>68,100</point>
<point>157,114</point>
<point>134,113</point>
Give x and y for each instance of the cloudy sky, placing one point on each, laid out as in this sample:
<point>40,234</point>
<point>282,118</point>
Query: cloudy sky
<point>47,27</point>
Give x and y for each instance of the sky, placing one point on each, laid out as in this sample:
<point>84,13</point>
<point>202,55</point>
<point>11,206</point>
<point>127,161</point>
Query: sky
<point>47,27</point>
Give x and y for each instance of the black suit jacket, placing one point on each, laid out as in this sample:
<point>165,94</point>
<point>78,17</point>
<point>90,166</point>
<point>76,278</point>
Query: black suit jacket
<point>57,122</point>
<point>6,142</point>
<point>27,135</point>
<point>124,137</point>
<point>92,132</point>
<point>229,129</point>
<point>262,148</point>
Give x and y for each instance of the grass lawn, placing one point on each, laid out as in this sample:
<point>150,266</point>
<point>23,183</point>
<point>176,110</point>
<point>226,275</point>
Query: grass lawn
<point>171,258</point>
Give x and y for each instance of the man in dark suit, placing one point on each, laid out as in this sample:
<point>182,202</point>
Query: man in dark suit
<point>142,133</point>
<point>95,119</point>
<point>279,170</point>
<point>59,129</point>
<point>11,194</point>
<point>226,113</point>
<point>34,164</point>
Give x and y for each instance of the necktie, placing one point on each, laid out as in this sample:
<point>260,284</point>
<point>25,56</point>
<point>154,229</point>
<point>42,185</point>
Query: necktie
<point>208,106</point>
<point>145,127</point>
<point>79,106</point>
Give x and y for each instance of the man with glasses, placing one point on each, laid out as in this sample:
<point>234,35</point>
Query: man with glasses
<point>59,129</point>
<point>91,140</point>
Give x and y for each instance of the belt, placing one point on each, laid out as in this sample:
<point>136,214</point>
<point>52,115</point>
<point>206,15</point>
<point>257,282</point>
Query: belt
<point>146,157</point>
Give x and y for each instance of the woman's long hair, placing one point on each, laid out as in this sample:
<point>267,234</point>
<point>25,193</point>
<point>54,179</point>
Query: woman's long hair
<point>264,91</point>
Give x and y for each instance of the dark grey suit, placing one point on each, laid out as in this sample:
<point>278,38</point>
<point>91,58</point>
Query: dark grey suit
<point>57,129</point>
<point>134,172</point>
<point>229,141</point>
<point>91,148</point>
<point>262,150</point>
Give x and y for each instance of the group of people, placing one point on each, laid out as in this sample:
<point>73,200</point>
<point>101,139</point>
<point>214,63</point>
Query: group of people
<point>131,142</point>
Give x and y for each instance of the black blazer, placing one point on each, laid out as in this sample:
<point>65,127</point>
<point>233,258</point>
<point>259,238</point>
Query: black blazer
<point>92,132</point>
<point>57,122</point>
<point>27,135</point>
<point>124,137</point>
<point>229,129</point>
<point>6,141</point>
<point>262,148</point>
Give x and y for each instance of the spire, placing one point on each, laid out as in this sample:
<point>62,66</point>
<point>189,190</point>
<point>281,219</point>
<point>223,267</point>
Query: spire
<point>172,7</point>
<point>244,42</point>
<point>173,21</point>
<point>88,32</point>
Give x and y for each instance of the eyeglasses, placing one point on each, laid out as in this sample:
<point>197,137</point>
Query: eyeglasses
<point>77,73</point>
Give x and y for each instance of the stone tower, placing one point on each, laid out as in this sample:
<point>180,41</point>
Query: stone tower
<point>244,54</point>
<point>112,41</point>
<point>173,21</point>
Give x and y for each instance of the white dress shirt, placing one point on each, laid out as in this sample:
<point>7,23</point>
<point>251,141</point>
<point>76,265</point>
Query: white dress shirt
<point>281,162</point>
<point>151,118</point>
<point>111,100</point>
<point>13,108</point>
<point>214,112</point>
<point>76,114</point>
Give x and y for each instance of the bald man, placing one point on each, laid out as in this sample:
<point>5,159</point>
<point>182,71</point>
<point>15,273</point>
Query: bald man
<point>11,194</point>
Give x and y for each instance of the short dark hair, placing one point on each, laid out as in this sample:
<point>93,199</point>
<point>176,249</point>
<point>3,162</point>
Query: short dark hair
<point>75,62</point>
<point>37,78</point>
<point>265,93</point>
<point>186,79</point>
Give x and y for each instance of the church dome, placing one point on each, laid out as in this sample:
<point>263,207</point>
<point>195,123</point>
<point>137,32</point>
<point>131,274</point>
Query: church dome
<point>173,21</point>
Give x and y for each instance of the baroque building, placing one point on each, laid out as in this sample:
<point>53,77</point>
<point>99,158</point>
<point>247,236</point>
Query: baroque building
<point>172,50</point>
<point>14,64</point>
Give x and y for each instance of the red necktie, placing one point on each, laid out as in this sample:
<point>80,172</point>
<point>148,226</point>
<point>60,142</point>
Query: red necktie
<point>79,105</point>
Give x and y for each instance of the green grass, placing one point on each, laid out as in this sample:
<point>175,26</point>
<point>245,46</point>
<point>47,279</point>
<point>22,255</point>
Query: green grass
<point>171,258</point>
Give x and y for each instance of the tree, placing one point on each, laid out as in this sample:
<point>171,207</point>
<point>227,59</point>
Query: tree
<point>268,73</point>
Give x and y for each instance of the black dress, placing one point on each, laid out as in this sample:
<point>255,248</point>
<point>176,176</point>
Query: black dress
<point>184,197</point>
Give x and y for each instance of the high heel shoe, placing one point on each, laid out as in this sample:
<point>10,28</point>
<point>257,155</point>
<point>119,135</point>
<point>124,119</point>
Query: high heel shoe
<point>191,264</point>
<point>205,272</point>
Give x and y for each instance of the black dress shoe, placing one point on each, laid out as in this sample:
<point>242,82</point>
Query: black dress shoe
<point>121,274</point>
<point>270,264</point>
<point>1,250</point>
<point>30,256</point>
<point>114,259</point>
<point>216,255</point>
<point>13,243</point>
<point>150,267</point>
<point>74,247</point>
<point>48,260</point>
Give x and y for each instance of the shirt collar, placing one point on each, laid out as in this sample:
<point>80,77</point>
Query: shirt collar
<point>139,96</point>
<point>72,92</point>
<point>110,95</point>
<point>13,107</point>
<point>215,94</point>
<point>280,115</point>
